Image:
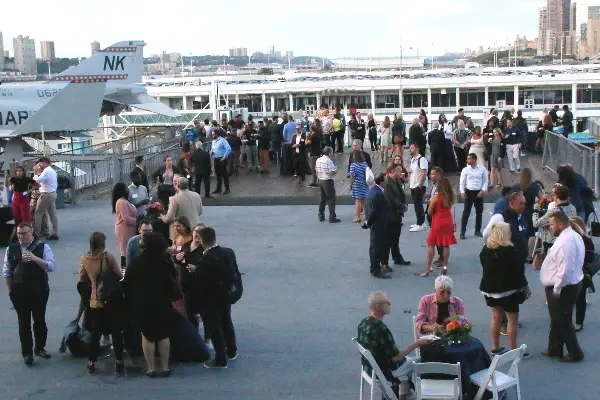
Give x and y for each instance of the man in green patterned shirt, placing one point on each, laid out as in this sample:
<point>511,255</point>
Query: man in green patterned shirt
<point>375,336</point>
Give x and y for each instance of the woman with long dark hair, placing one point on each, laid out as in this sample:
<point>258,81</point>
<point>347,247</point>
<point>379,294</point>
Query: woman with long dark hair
<point>423,114</point>
<point>372,129</point>
<point>581,304</point>
<point>98,267</point>
<point>126,218</point>
<point>442,225</point>
<point>151,288</point>
<point>20,200</point>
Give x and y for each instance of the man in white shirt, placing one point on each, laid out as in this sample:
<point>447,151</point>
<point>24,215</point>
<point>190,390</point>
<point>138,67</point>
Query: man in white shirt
<point>418,185</point>
<point>48,182</point>
<point>138,194</point>
<point>561,275</point>
<point>473,185</point>
<point>326,170</point>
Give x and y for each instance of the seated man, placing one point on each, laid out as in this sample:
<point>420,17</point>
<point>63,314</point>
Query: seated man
<point>375,336</point>
<point>435,308</point>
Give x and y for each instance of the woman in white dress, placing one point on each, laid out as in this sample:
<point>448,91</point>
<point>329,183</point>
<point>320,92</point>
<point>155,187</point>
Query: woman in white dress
<point>478,147</point>
<point>385,138</point>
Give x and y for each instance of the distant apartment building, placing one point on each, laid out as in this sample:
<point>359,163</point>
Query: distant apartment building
<point>238,52</point>
<point>2,65</point>
<point>557,26</point>
<point>289,55</point>
<point>589,45</point>
<point>521,43</point>
<point>47,48</point>
<point>95,47</point>
<point>174,57</point>
<point>25,60</point>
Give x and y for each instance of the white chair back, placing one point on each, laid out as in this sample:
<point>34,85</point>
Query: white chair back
<point>438,368</point>
<point>416,336</point>
<point>513,357</point>
<point>377,375</point>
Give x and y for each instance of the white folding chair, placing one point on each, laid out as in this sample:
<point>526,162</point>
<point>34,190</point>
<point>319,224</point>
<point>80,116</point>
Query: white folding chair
<point>415,337</point>
<point>377,376</point>
<point>437,389</point>
<point>496,381</point>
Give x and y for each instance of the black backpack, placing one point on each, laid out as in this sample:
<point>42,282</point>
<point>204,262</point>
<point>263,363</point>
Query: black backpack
<point>76,339</point>
<point>236,288</point>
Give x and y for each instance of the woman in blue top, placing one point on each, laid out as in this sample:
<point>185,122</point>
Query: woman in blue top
<point>358,180</point>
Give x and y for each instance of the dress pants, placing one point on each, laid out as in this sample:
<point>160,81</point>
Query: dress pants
<point>265,164</point>
<point>199,179</point>
<point>46,204</point>
<point>327,188</point>
<point>276,149</point>
<point>437,159</point>
<point>313,167</point>
<point>299,162</point>
<point>417,196</point>
<point>252,156</point>
<point>471,199</point>
<point>221,172</point>
<point>513,155</point>
<point>461,157</point>
<point>338,141</point>
<point>234,161</point>
<point>378,249</point>
<point>30,303</point>
<point>217,320</point>
<point>104,320</point>
<point>562,331</point>
<point>393,236</point>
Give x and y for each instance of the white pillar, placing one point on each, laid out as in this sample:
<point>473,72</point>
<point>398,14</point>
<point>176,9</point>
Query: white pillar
<point>272,103</point>
<point>373,102</point>
<point>574,98</point>
<point>185,107</point>
<point>457,98</point>
<point>487,95</point>
<point>264,104</point>
<point>516,105</point>
<point>291,102</point>
<point>429,102</point>
<point>401,99</point>
<point>318,101</point>
<point>237,99</point>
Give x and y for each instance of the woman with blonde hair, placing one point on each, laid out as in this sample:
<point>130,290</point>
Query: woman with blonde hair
<point>399,135</point>
<point>578,226</point>
<point>503,283</point>
<point>385,138</point>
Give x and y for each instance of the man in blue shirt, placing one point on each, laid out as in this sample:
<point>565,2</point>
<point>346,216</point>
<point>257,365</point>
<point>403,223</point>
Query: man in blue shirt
<point>220,152</point>
<point>289,130</point>
<point>502,203</point>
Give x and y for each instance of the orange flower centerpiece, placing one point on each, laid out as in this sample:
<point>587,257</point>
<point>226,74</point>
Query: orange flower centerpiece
<point>544,202</point>
<point>155,210</point>
<point>457,329</point>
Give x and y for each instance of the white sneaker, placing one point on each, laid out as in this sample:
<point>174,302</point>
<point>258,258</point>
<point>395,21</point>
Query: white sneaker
<point>417,228</point>
<point>105,341</point>
<point>413,225</point>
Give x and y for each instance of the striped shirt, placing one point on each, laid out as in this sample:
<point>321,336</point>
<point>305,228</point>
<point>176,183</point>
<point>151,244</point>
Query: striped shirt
<point>324,166</point>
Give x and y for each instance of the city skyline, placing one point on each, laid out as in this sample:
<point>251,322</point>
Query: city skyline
<point>390,21</point>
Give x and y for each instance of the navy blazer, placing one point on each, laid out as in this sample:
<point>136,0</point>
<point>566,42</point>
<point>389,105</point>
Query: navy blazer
<point>378,209</point>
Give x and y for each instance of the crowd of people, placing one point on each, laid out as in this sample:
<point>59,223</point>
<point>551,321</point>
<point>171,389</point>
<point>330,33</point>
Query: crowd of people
<point>171,275</point>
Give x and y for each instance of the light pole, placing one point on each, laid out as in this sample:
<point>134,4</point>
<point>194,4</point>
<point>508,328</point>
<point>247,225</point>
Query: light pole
<point>49,71</point>
<point>191,66</point>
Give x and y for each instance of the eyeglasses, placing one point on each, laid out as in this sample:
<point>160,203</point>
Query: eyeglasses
<point>23,233</point>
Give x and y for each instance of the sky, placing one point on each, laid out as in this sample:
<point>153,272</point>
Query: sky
<point>365,28</point>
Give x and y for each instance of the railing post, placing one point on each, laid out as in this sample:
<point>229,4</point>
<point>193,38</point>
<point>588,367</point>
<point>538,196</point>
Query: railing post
<point>94,186</point>
<point>73,183</point>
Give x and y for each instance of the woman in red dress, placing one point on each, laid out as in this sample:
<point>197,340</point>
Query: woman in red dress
<point>442,225</point>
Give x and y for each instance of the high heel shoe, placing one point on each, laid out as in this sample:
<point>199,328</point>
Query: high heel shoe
<point>356,220</point>
<point>424,274</point>
<point>91,368</point>
<point>444,270</point>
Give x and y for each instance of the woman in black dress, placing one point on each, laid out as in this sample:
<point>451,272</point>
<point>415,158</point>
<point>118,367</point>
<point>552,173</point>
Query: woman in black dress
<point>151,289</point>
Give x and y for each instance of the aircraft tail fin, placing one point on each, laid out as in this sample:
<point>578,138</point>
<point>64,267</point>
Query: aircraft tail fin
<point>122,62</point>
<point>74,108</point>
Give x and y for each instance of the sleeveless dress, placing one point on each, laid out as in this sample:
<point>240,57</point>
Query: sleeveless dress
<point>478,148</point>
<point>360,189</point>
<point>442,226</point>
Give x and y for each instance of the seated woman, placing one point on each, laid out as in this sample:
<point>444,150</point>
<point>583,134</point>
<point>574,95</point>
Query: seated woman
<point>435,308</point>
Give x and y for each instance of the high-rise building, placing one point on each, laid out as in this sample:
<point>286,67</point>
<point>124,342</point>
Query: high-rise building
<point>272,51</point>
<point>95,47</point>
<point>1,52</point>
<point>238,52</point>
<point>593,12</point>
<point>25,61</point>
<point>47,48</point>
<point>589,45</point>
<point>557,29</point>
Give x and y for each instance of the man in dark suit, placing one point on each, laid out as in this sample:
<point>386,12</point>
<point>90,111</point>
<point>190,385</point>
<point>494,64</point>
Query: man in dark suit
<point>214,276</point>
<point>394,193</point>
<point>139,167</point>
<point>299,153</point>
<point>415,135</point>
<point>378,220</point>
<point>437,141</point>
<point>276,131</point>
<point>202,168</point>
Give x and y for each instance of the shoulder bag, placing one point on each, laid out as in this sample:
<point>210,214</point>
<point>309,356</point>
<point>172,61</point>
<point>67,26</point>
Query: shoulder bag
<point>107,287</point>
<point>595,226</point>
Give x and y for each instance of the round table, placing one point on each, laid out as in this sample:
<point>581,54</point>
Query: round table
<point>471,354</point>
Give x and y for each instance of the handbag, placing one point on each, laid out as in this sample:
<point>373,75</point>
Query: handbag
<point>593,266</point>
<point>369,177</point>
<point>108,287</point>
<point>595,226</point>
